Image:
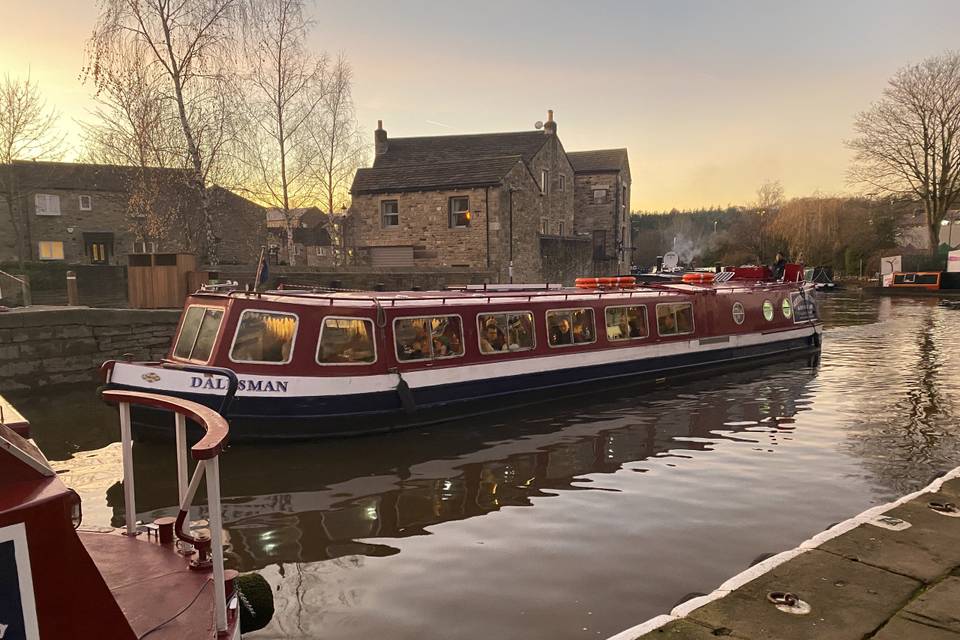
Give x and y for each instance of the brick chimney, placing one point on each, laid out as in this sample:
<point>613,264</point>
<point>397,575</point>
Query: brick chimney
<point>550,126</point>
<point>380,143</point>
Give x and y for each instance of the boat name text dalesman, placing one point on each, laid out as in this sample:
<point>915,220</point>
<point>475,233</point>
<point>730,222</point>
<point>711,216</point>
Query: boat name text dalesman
<point>275,386</point>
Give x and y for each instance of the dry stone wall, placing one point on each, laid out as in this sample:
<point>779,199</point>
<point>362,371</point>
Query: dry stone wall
<point>57,346</point>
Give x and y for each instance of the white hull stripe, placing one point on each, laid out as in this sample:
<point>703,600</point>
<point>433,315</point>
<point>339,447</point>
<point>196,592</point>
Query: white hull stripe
<point>158,379</point>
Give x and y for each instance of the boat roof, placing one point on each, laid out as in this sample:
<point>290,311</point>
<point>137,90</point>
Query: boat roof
<point>482,294</point>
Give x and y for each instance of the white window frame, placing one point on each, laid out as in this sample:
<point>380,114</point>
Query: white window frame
<point>89,206</point>
<point>383,215</point>
<point>373,339</point>
<point>151,244</point>
<point>546,322</point>
<point>293,343</point>
<point>173,349</point>
<point>533,325</point>
<point>46,200</point>
<point>430,359</point>
<point>451,212</point>
<point>544,181</point>
<point>743,313</point>
<point>646,321</point>
<point>693,320</point>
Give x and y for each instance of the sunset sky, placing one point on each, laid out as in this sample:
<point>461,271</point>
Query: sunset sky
<point>710,98</point>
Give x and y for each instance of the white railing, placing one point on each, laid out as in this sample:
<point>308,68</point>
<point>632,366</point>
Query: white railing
<point>209,551</point>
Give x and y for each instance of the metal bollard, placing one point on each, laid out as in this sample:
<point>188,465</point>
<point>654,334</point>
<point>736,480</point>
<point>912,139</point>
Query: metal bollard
<point>73,297</point>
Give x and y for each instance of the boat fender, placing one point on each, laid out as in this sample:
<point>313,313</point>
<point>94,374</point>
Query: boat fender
<point>815,339</point>
<point>406,395</point>
<point>256,601</point>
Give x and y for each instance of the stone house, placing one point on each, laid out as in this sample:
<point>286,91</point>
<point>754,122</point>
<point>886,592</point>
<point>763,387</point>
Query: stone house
<point>98,214</point>
<point>602,206</point>
<point>312,236</point>
<point>498,202</point>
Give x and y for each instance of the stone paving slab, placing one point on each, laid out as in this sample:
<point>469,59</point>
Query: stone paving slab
<point>927,550</point>
<point>849,600</point>
<point>938,606</point>
<point>900,628</point>
<point>686,630</point>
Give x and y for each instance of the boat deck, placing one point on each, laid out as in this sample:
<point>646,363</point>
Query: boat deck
<point>154,587</point>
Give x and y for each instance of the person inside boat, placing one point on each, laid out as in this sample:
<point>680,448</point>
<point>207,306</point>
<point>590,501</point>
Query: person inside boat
<point>492,339</point>
<point>779,266</point>
<point>560,333</point>
<point>582,327</point>
<point>418,346</point>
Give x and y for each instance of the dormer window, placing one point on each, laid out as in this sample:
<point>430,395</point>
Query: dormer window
<point>86,203</point>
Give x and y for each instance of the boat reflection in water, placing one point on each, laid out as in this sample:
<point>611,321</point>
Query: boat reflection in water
<point>311,502</point>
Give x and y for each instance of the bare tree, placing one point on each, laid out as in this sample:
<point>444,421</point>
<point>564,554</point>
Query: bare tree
<point>27,132</point>
<point>191,43</point>
<point>339,143</point>
<point>769,199</point>
<point>287,92</point>
<point>908,142</point>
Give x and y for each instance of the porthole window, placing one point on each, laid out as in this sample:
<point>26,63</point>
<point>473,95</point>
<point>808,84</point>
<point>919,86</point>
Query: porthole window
<point>738,313</point>
<point>787,309</point>
<point>767,310</point>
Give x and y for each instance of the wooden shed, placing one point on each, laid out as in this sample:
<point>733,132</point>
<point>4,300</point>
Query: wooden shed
<point>161,280</point>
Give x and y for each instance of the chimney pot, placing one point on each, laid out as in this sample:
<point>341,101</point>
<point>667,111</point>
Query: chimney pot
<point>550,126</point>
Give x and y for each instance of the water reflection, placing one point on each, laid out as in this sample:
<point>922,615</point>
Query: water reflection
<point>322,501</point>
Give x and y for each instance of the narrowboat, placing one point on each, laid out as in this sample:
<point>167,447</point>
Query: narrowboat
<point>305,364</point>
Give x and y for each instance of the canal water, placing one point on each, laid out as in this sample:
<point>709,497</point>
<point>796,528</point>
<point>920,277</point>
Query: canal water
<point>571,520</point>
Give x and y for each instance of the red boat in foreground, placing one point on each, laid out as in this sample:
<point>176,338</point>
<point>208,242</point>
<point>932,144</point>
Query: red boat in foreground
<point>58,580</point>
<point>306,364</point>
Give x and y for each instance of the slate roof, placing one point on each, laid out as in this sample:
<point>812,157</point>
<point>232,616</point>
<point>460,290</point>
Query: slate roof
<point>86,177</point>
<point>432,149</point>
<point>597,161</point>
<point>459,173</point>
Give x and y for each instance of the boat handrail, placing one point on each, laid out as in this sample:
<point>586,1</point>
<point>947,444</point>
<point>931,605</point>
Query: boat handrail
<point>206,452</point>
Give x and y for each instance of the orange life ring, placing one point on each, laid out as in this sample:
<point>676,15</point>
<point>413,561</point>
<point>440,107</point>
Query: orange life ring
<point>698,277</point>
<point>605,282</point>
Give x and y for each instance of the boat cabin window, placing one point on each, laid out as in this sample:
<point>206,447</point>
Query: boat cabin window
<point>428,338</point>
<point>505,332</point>
<point>346,341</point>
<point>674,319</point>
<point>739,315</point>
<point>570,326</point>
<point>264,336</point>
<point>786,308</point>
<point>767,310</point>
<point>198,333</point>
<point>626,323</point>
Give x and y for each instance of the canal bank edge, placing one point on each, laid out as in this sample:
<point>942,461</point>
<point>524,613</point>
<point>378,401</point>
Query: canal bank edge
<point>889,573</point>
<point>46,346</point>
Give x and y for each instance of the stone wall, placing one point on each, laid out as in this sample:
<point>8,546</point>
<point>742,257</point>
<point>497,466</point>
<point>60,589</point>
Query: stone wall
<point>564,259</point>
<point>40,347</point>
<point>556,206</point>
<point>592,216</point>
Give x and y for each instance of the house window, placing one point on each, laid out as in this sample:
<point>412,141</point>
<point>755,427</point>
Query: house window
<point>599,196</point>
<point>544,181</point>
<point>50,250</point>
<point>390,213</point>
<point>543,226</point>
<point>47,205</point>
<point>459,212</point>
<point>560,228</point>
<point>86,203</point>
<point>140,246</point>
<point>563,182</point>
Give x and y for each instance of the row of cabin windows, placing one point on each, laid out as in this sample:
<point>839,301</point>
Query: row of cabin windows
<point>46,204</point>
<point>269,337</point>
<point>458,213</point>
